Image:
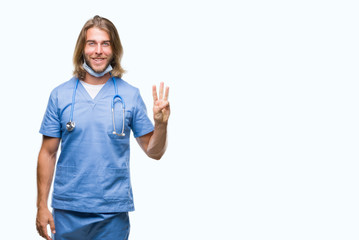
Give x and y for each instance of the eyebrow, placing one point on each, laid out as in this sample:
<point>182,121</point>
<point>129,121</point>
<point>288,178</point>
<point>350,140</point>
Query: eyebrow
<point>106,41</point>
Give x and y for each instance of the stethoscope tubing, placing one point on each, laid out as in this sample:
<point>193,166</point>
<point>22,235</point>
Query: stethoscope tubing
<point>71,124</point>
<point>73,100</point>
<point>113,111</point>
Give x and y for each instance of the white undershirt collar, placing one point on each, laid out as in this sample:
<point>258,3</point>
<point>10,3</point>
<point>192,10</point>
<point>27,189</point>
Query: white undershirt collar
<point>92,90</point>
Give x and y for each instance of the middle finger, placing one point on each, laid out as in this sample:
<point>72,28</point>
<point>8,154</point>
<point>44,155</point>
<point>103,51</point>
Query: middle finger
<point>161,90</point>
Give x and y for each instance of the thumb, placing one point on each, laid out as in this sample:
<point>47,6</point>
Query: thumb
<point>52,225</point>
<point>164,105</point>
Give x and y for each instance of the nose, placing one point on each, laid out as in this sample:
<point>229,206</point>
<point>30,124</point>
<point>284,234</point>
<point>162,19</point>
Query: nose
<point>99,48</point>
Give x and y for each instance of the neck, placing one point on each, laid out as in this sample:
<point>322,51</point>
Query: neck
<point>96,80</point>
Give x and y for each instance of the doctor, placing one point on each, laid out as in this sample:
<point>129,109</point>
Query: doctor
<point>92,116</point>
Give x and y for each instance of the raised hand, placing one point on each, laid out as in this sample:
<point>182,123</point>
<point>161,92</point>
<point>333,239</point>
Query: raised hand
<point>161,106</point>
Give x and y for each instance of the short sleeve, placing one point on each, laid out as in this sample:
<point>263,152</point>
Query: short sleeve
<point>51,125</point>
<point>141,124</point>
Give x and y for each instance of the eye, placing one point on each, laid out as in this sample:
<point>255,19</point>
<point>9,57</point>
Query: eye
<point>106,44</point>
<point>91,43</point>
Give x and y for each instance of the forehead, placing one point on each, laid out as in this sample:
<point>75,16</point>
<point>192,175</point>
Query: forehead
<point>97,34</point>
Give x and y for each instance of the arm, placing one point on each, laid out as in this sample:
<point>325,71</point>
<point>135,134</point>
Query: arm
<point>154,144</point>
<point>45,171</point>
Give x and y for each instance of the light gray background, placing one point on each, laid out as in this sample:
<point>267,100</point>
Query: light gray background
<point>263,136</point>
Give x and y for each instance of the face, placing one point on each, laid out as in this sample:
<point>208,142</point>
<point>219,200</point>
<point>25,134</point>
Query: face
<point>98,50</point>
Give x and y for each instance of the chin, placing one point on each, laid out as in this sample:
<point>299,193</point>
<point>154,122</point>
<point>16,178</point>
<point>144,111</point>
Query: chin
<point>99,71</point>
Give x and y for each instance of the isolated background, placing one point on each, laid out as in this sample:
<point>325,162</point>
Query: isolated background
<point>263,136</point>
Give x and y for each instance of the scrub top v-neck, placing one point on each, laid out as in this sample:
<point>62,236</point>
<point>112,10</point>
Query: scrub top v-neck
<point>92,173</point>
<point>91,89</point>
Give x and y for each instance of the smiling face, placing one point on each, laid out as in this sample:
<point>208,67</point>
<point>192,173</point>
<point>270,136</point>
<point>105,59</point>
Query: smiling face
<point>98,51</point>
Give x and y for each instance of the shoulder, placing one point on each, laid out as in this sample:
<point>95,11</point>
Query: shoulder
<point>62,92</point>
<point>130,93</point>
<point>70,84</point>
<point>126,86</point>
<point>127,90</point>
<point>65,87</point>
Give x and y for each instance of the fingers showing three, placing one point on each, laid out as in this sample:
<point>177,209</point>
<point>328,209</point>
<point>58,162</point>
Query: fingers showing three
<point>154,92</point>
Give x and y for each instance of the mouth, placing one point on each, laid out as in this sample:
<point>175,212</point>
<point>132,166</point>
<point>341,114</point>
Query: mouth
<point>98,60</point>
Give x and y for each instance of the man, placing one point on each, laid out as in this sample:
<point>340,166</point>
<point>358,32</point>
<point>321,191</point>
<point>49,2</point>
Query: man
<point>92,115</point>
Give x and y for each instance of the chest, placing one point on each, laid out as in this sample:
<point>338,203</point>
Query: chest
<point>92,117</point>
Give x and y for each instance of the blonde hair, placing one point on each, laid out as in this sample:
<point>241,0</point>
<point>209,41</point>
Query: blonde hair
<point>117,50</point>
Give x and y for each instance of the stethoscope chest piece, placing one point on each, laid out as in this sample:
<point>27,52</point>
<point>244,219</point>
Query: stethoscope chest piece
<point>70,126</point>
<point>119,134</point>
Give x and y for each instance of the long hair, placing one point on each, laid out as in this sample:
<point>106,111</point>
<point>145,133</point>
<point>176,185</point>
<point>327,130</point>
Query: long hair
<point>117,50</point>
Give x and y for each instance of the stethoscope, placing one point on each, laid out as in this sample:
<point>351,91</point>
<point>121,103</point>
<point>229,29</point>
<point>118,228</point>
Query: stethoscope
<point>70,125</point>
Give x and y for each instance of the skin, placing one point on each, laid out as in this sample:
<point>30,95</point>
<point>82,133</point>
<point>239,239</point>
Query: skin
<point>98,54</point>
<point>45,172</point>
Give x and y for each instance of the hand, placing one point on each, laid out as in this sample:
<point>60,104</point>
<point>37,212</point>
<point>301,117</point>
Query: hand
<point>161,106</point>
<point>43,218</point>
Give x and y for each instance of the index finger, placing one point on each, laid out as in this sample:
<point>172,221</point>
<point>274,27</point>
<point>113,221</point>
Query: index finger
<point>44,233</point>
<point>154,93</point>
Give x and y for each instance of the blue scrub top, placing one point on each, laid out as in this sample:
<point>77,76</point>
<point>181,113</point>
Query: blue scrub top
<point>93,169</point>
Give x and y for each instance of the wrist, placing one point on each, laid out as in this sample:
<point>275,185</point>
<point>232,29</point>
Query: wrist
<point>161,124</point>
<point>42,205</point>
